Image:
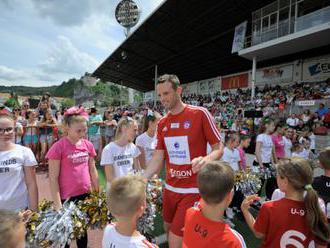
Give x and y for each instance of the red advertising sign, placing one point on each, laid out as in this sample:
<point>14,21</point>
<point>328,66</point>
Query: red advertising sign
<point>235,82</point>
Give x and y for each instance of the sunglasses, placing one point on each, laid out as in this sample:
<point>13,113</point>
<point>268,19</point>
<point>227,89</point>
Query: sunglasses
<point>7,130</point>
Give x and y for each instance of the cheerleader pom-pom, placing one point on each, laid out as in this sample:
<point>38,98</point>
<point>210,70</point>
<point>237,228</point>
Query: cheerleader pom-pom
<point>96,208</point>
<point>248,182</point>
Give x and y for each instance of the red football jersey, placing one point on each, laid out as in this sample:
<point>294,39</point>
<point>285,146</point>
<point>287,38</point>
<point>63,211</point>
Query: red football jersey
<point>200,232</point>
<point>283,222</point>
<point>184,137</point>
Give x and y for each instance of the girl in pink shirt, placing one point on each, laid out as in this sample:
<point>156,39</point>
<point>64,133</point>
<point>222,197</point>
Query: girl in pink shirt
<point>277,138</point>
<point>244,143</point>
<point>72,171</point>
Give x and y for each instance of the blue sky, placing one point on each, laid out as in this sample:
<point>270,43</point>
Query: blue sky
<point>46,42</point>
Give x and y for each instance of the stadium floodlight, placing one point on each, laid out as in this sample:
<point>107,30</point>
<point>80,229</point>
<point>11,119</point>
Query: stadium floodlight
<point>127,14</point>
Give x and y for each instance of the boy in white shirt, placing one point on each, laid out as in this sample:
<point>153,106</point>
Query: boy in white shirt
<point>127,202</point>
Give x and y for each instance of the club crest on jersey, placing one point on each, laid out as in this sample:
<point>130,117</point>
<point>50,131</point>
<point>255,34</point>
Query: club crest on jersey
<point>186,124</point>
<point>175,125</point>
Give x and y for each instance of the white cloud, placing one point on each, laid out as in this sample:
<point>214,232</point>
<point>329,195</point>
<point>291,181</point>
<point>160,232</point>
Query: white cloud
<point>64,61</point>
<point>64,57</point>
<point>64,12</point>
<point>50,41</point>
<point>9,74</point>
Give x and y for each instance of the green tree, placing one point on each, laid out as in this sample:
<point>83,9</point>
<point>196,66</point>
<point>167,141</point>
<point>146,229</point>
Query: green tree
<point>68,103</point>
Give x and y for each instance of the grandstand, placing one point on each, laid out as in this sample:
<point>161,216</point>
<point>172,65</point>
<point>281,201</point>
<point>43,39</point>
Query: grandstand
<point>284,56</point>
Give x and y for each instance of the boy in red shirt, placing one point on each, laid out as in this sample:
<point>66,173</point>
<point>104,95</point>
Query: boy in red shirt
<point>204,224</point>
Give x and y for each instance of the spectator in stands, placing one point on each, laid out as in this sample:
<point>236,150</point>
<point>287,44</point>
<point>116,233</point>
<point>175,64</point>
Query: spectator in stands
<point>292,121</point>
<point>322,110</point>
<point>278,141</point>
<point>46,132</point>
<point>110,126</point>
<point>18,126</point>
<point>30,138</point>
<point>94,136</point>
<point>288,142</point>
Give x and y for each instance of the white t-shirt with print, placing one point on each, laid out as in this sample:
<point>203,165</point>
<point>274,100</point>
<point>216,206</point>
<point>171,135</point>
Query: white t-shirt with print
<point>292,122</point>
<point>113,239</point>
<point>147,143</point>
<point>266,147</point>
<point>287,147</point>
<point>312,138</point>
<point>14,194</point>
<point>120,157</point>
<point>232,157</point>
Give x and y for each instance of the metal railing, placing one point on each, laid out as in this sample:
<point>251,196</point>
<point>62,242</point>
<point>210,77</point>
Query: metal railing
<point>287,27</point>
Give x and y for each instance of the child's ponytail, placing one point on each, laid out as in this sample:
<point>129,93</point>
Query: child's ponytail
<point>316,219</point>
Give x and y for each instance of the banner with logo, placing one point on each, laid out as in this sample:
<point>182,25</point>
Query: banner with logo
<point>235,82</point>
<point>190,88</point>
<point>203,87</point>
<point>316,70</point>
<point>239,37</point>
<point>305,103</point>
<point>214,85</point>
<point>275,75</point>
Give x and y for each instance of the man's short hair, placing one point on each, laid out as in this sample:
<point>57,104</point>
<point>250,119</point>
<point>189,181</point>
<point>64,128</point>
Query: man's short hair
<point>324,158</point>
<point>173,79</point>
<point>127,194</point>
<point>215,180</point>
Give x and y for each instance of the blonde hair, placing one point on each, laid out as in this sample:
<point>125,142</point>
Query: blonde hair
<point>76,118</point>
<point>299,174</point>
<point>123,122</point>
<point>127,194</point>
<point>9,223</point>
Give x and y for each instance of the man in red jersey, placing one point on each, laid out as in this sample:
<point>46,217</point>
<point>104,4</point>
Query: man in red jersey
<point>182,137</point>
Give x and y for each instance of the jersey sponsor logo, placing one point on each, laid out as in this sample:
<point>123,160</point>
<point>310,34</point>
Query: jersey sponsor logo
<point>186,124</point>
<point>295,211</point>
<point>175,125</point>
<point>178,150</point>
<point>200,230</point>
<point>292,238</point>
<point>181,174</point>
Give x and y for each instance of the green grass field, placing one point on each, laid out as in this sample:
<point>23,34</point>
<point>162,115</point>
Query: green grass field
<point>240,225</point>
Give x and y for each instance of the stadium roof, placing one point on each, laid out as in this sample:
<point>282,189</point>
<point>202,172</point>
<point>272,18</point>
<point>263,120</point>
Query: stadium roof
<point>192,39</point>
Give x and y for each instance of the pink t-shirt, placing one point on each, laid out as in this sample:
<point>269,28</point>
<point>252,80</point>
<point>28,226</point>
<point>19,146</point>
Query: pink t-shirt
<point>74,178</point>
<point>242,156</point>
<point>279,145</point>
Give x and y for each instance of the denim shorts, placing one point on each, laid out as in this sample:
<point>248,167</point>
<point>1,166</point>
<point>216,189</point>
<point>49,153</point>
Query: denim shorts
<point>30,139</point>
<point>46,138</point>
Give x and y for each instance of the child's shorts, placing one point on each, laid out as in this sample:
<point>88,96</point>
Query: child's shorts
<point>46,138</point>
<point>30,139</point>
